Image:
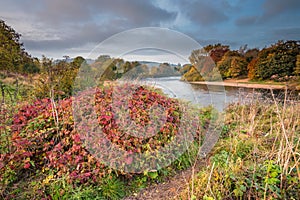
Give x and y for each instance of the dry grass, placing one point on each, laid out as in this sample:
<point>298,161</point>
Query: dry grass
<point>257,156</point>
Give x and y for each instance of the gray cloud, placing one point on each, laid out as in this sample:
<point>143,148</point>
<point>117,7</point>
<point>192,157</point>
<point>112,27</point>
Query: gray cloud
<point>277,7</point>
<point>246,20</point>
<point>139,39</point>
<point>138,13</point>
<point>56,27</point>
<point>204,13</point>
<point>76,36</point>
<point>275,10</point>
<point>61,25</point>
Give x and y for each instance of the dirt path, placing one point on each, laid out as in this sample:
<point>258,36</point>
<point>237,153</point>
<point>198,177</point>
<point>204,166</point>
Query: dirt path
<point>170,188</point>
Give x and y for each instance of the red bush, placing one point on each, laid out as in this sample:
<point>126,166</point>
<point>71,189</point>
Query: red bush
<point>45,141</point>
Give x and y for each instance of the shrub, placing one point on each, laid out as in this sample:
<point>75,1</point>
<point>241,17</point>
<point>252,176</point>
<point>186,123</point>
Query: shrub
<point>46,141</point>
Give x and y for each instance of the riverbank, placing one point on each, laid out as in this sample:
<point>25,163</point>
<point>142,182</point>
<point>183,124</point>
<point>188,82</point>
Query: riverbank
<point>245,83</point>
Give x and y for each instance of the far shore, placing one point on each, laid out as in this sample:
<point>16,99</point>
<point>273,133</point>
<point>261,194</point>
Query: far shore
<point>241,83</point>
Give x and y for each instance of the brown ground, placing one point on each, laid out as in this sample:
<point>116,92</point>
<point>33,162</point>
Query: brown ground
<point>170,188</point>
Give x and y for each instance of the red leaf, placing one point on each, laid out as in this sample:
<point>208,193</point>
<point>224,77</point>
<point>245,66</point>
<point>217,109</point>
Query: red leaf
<point>27,165</point>
<point>128,160</point>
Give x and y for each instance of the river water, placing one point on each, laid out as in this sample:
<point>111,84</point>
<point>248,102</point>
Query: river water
<point>204,95</point>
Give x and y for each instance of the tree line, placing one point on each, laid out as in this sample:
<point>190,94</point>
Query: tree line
<point>278,62</point>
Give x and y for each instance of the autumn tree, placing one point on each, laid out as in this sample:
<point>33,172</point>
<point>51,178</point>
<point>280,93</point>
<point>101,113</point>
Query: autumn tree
<point>252,69</point>
<point>192,75</point>
<point>215,52</point>
<point>232,65</point>
<point>197,55</point>
<point>185,68</point>
<point>218,52</point>
<point>297,68</point>
<point>204,60</point>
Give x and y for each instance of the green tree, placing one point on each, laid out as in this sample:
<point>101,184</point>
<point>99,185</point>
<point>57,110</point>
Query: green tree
<point>250,54</point>
<point>238,67</point>
<point>56,79</point>
<point>77,62</point>
<point>103,58</point>
<point>278,59</point>
<point>12,54</point>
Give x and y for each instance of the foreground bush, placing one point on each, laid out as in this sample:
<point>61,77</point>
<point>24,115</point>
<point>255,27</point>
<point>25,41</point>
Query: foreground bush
<point>46,157</point>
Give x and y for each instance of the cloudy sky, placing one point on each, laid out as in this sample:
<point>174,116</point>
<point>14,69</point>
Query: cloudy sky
<point>74,27</point>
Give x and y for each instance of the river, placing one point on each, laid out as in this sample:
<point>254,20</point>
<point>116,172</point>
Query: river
<point>204,95</point>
